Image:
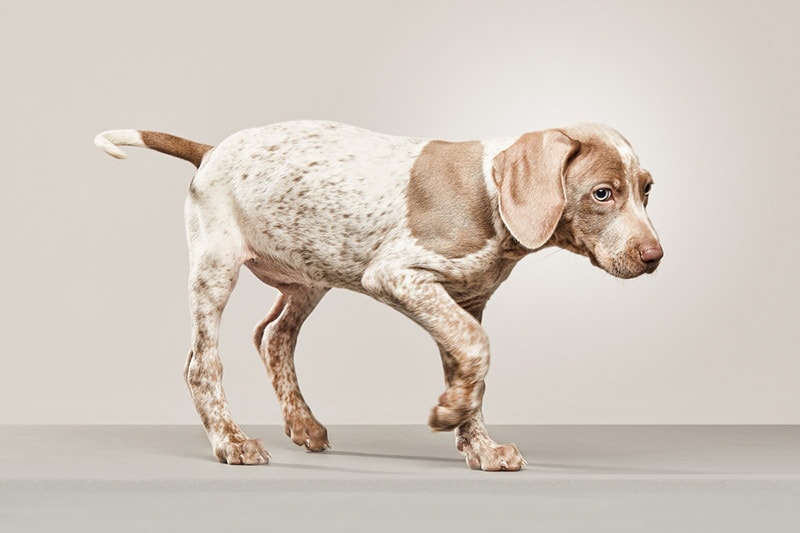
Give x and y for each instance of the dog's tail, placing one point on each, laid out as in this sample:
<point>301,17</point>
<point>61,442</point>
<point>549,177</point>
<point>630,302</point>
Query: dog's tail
<point>110,141</point>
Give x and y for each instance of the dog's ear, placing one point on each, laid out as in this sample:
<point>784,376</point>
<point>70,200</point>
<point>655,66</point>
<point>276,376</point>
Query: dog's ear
<point>530,180</point>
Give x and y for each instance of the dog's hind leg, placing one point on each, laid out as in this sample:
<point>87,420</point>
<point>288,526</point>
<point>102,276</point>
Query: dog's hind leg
<point>276,338</point>
<point>472,437</point>
<point>215,256</point>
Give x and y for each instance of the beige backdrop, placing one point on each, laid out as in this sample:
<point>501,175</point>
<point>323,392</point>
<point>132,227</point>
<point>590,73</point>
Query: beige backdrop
<point>95,324</point>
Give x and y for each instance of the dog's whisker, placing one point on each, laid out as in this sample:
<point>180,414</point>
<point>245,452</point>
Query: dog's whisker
<point>551,254</point>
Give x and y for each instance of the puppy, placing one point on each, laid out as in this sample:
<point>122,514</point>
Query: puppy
<point>428,227</point>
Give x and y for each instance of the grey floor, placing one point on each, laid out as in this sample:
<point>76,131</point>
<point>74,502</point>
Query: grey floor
<point>403,478</point>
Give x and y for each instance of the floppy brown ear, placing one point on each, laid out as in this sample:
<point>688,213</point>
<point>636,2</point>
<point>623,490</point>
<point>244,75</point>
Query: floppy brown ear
<point>530,180</point>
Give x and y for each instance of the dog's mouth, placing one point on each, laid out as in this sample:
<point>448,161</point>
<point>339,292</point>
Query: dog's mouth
<point>651,267</point>
<point>625,266</point>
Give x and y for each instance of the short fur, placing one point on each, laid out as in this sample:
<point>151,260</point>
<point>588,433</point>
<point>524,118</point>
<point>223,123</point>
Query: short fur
<point>430,228</point>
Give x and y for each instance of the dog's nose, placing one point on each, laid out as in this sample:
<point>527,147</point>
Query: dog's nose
<point>652,254</point>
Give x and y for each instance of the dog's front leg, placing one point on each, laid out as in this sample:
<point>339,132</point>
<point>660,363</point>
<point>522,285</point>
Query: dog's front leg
<point>417,295</point>
<point>472,437</point>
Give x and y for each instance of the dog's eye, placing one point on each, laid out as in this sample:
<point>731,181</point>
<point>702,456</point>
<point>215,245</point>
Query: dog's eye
<point>647,188</point>
<point>602,195</point>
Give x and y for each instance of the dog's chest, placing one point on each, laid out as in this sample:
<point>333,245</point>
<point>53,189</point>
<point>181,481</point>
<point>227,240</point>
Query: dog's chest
<point>477,283</point>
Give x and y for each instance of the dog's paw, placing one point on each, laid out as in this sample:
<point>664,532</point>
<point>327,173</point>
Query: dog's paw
<point>455,407</point>
<point>492,458</point>
<point>242,452</point>
<point>308,432</point>
<point>447,419</point>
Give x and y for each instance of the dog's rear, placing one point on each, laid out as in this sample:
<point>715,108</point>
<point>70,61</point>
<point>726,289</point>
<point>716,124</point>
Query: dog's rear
<point>429,227</point>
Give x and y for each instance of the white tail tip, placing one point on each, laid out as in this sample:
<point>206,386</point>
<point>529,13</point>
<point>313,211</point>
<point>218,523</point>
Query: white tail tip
<point>109,141</point>
<point>108,147</point>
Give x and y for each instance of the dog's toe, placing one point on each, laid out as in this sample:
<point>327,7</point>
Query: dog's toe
<point>505,457</point>
<point>308,432</point>
<point>244,452</point>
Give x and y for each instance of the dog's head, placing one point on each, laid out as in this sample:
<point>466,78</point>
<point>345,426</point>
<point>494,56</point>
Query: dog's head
<point>580,188</point>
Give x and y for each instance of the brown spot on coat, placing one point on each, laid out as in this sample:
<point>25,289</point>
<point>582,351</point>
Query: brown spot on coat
<point>448,206</point>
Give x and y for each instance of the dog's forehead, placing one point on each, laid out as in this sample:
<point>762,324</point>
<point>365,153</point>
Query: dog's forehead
<point>599,134</point>
<point>603,147</point>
